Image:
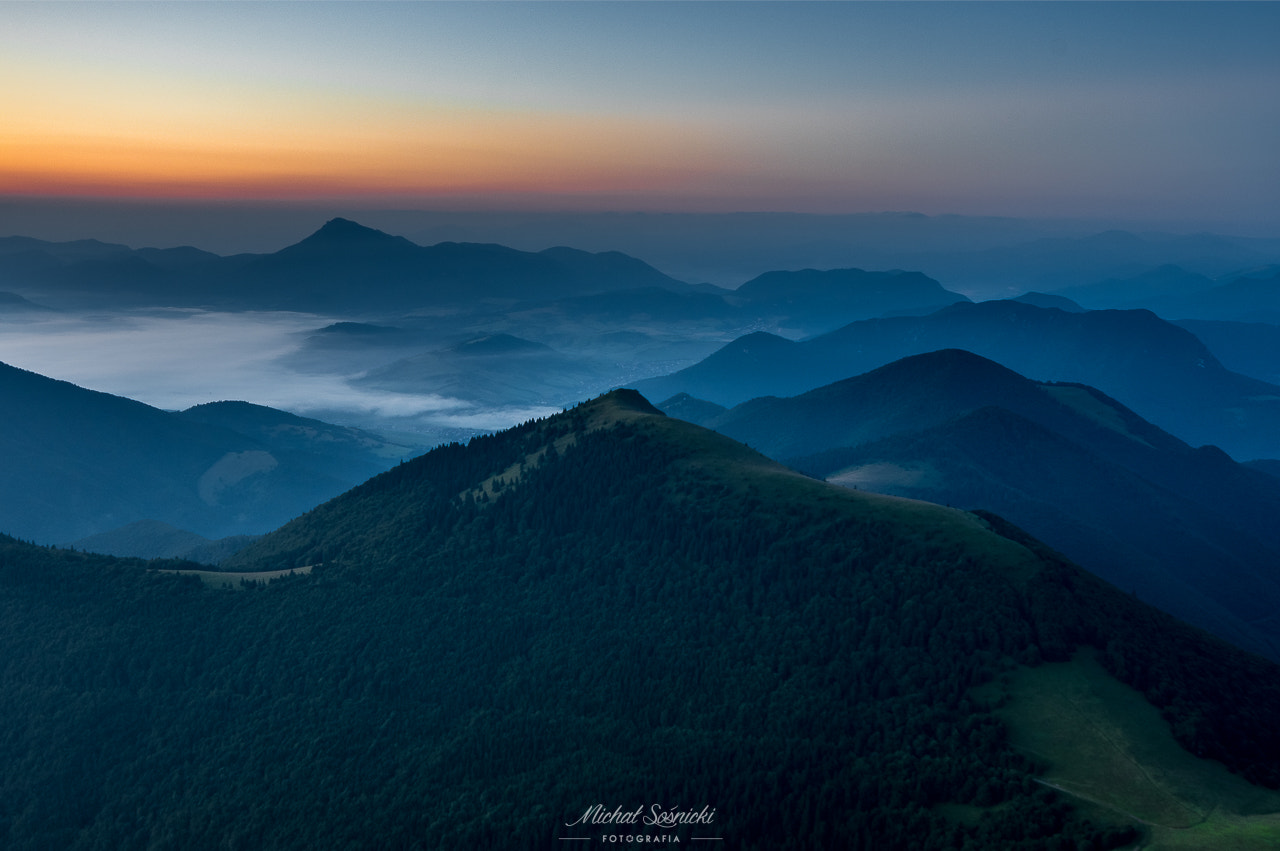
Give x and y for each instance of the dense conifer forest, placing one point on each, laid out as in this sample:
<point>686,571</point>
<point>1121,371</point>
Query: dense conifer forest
<point>605,607</point>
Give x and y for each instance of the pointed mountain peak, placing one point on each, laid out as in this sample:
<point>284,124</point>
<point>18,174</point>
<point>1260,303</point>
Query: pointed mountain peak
<point>344,229</point>
<point>945,366</point>
<point>343,234</point>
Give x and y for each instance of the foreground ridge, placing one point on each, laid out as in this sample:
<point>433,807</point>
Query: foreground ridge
<point>641,612</point>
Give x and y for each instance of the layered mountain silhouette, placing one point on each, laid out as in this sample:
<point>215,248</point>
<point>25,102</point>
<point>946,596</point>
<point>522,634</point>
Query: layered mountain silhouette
<point>82,462</point>
<point>343,267</point>
<point>1144,290</point>
<point>1252,297</point>
<point>812,301</point>
<point>1249,348</point>
<point>610,607</point>
<point>1188,530</point>
<point>1157,369</point>
<point>152,539</point>
<point>495,369</point>
<point>348,269</point>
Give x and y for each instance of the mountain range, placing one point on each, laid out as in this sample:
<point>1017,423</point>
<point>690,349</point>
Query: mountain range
<point>1188,530</point>
<point>1157,369</point>
<point>346,269</point>
<point>1251,295</point>
<point>342,267</point>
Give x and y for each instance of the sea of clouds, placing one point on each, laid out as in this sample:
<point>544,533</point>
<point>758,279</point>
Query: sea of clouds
<point>174,359</point>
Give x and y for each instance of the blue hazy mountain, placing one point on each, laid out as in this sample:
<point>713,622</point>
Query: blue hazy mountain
<point>1157,369</point>
<point>1174,293</point>
<point>1049,300</point>
<point>812,301</point>
<point>1131,503</point>
<point>342,267</point>
<point>1142,290</point>
<point>81,462</point>
<point>152,539</point>
<point>1250,297</point>
<point>1249,348</point>
<point>984,257</point>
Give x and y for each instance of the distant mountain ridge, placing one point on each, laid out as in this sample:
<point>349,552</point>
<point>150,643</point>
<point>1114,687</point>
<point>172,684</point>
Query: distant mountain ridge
<point>815,301</point>
<point>347,268</point>
<point>1157,369</point>
<point>343,267</point>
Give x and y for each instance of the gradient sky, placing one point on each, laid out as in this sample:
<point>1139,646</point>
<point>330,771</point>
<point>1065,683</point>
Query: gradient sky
<point>1151,110</point>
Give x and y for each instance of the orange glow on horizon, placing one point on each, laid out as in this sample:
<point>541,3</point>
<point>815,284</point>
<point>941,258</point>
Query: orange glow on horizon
<point>451,153</point>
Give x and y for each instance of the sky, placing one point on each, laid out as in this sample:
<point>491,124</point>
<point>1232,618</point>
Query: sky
<point>1150,110</point>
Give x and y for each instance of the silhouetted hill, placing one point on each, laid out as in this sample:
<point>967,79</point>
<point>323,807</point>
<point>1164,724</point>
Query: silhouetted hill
<point>1072,265</point>
<point>342,267</point>
<point>736,372</point>
<point>344,453</point>
<point>1175,293</point>
<point>151,539</point>
<point>1047,300</point>
<point>813,301</point>
<point>82,462</point>
<point>1145,290</point>
<point>682,406</point>
<point>497,369</point>
<point>1127,501</point>
<point>1249,348</point>
<point>1270,466</point>
<point>1252,297</point>
<point>1157,369</point>
<point>605,607</point>
<point>347,267</point>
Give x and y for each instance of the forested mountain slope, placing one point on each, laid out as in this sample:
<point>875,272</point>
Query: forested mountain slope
<point>1188,530</point>
<point>605,607</point>
<point>79,462</point>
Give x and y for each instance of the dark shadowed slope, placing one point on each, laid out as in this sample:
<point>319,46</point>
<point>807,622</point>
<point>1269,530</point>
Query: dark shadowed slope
<point>1186,529</point>
<point>80,462</point>
<point>606,607</point>
<point>344,453</point>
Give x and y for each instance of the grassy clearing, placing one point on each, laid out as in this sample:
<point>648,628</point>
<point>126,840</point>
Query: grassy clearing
<point>220,579</point>
<point>1105,745</point>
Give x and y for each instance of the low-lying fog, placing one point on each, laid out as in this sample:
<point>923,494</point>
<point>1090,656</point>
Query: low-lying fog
<point>173,359</point>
